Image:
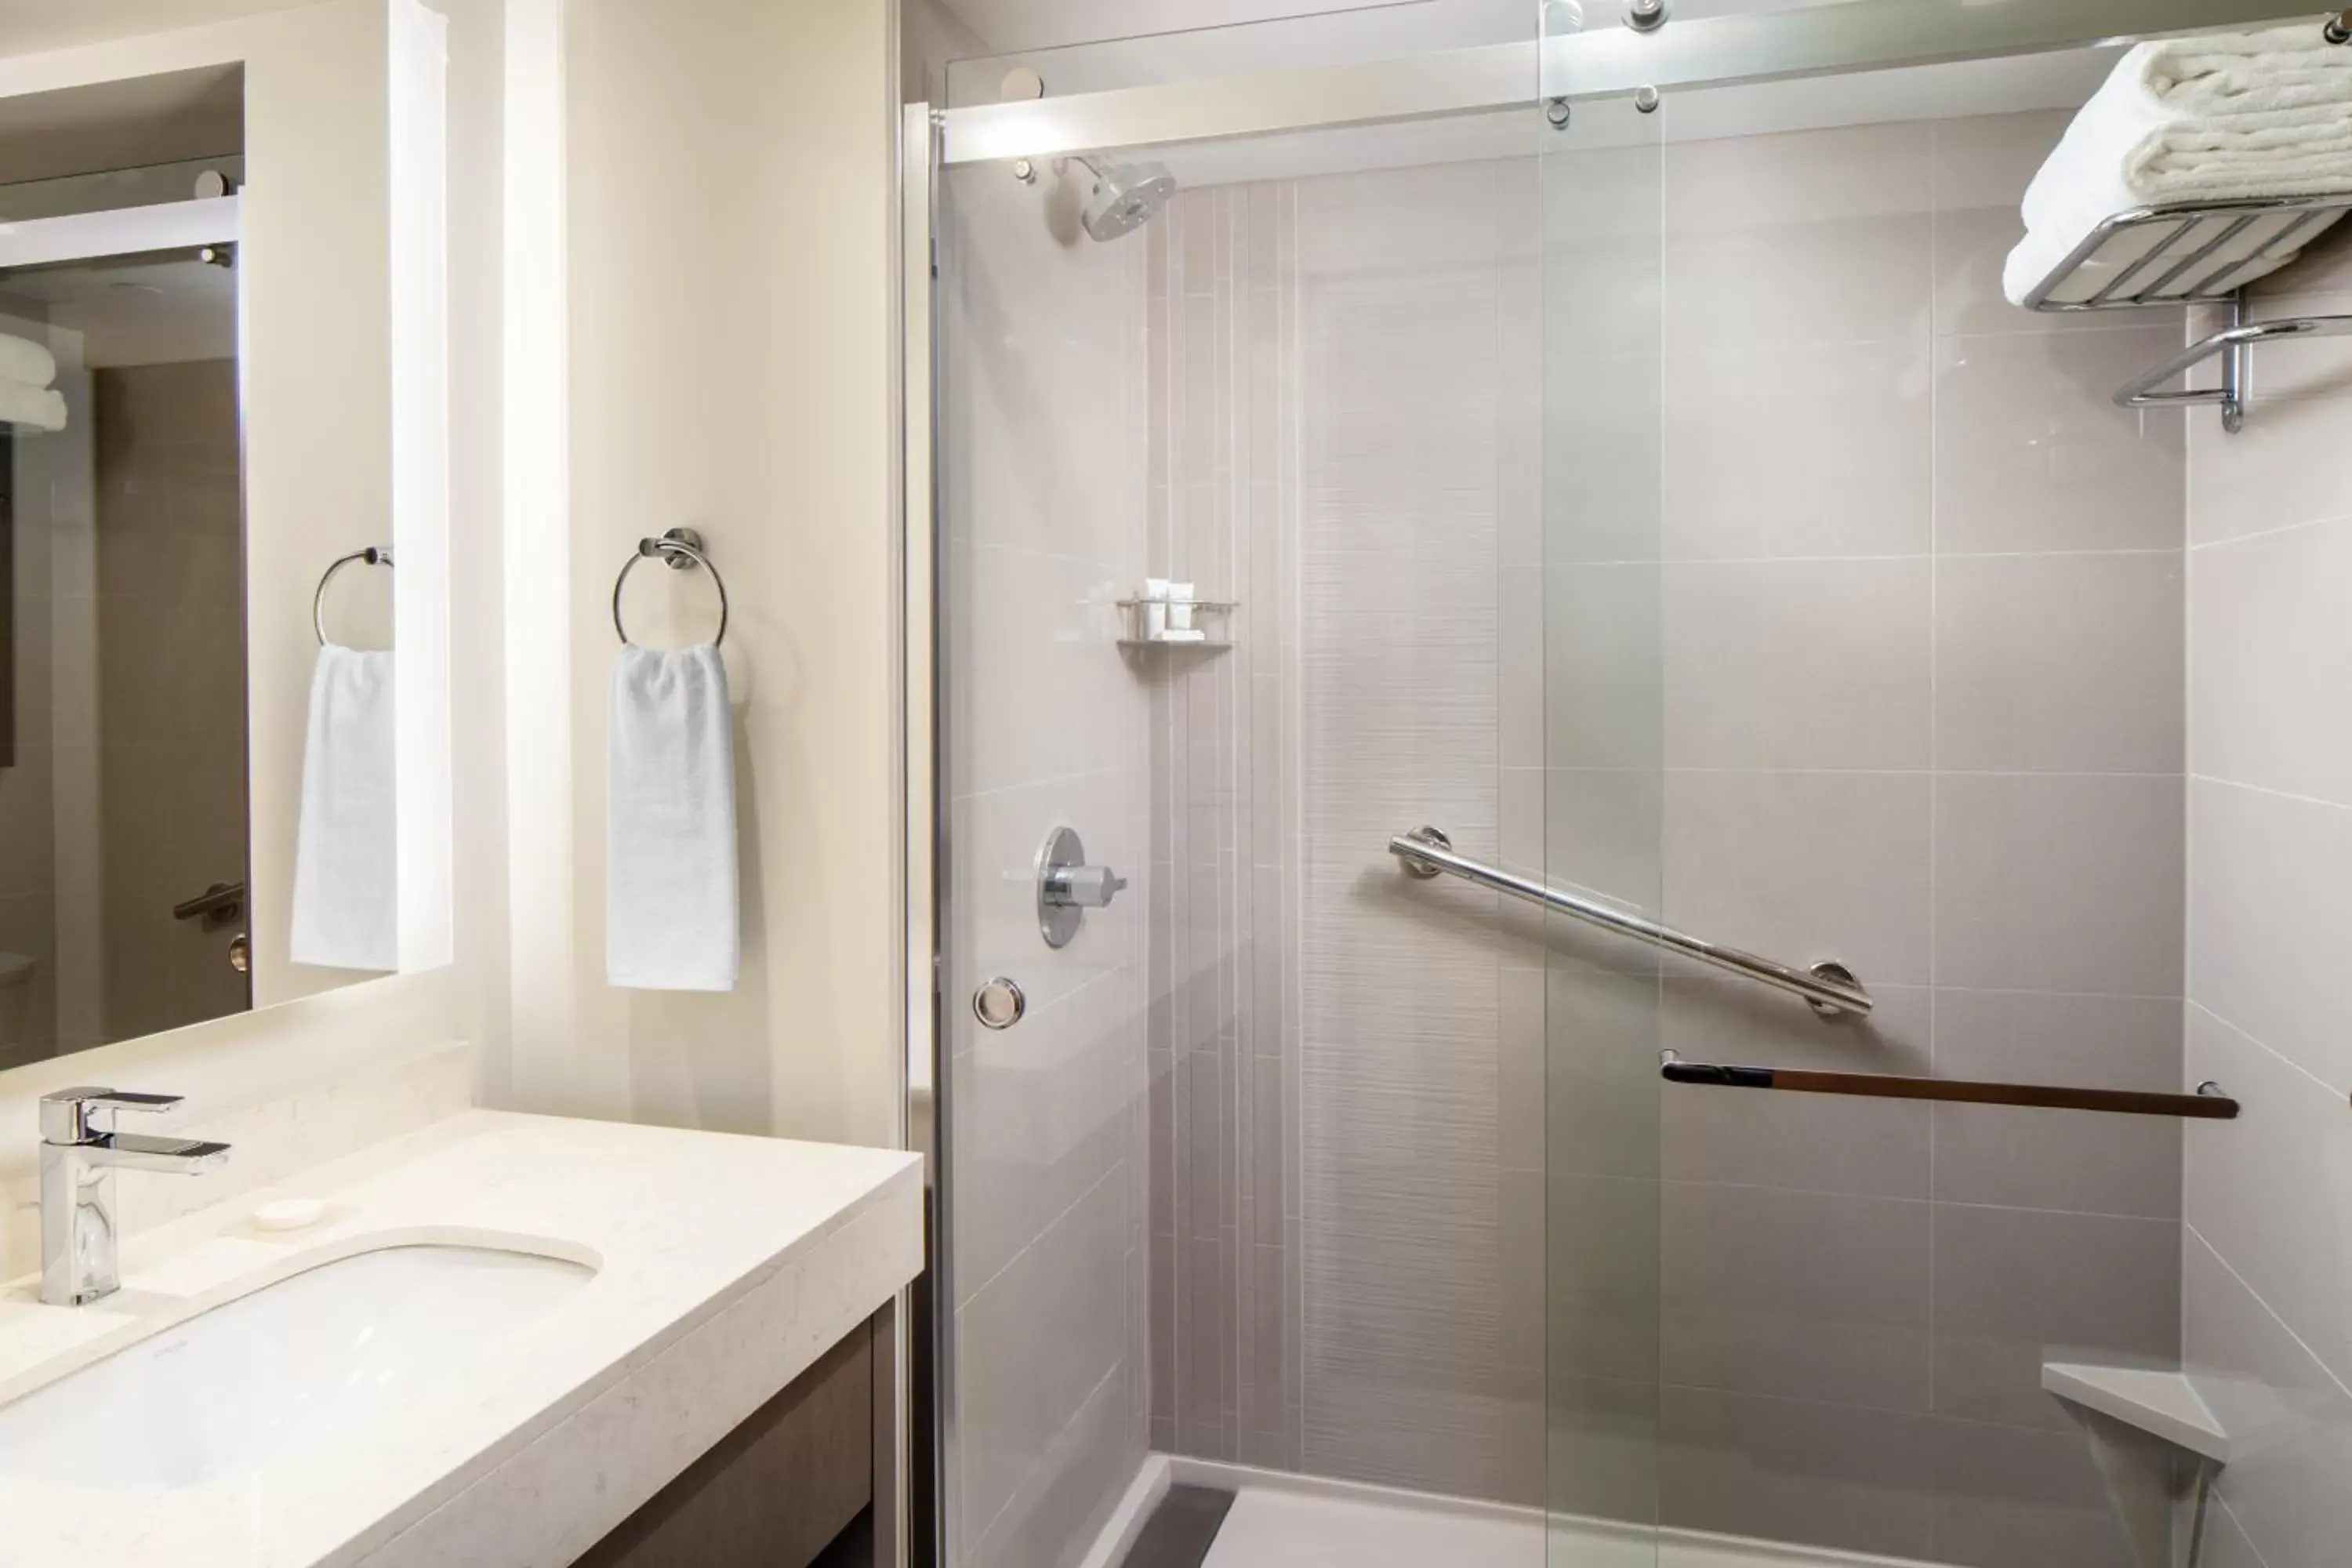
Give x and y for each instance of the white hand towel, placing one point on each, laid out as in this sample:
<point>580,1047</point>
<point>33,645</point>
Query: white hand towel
<point>346,859</point>
<point>23,360</point>
<point>2200,119</point>
<point>34,407</point>
<point>671,919</point>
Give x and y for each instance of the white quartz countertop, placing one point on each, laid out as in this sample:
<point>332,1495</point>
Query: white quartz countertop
<point>704,1244</point>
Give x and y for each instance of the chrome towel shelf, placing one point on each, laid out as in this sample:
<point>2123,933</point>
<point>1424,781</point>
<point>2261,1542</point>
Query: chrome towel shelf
<point>2208,1104</point>
<point>2194,254</point>
<point>1830,989</point>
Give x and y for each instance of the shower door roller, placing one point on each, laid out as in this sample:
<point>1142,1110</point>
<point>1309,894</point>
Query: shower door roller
<point>999,1004</point>
<point>1067,887</point>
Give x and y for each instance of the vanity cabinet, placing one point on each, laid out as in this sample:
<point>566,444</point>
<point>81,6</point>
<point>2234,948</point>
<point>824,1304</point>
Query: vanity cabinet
<point>773,1492</point>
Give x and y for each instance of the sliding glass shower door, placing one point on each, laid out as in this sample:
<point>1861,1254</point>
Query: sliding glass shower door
<point>1247,524</point>
<point>1585,772</point>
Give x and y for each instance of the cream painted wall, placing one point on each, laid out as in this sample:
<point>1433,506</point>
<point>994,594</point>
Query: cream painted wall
<point>731,193</point>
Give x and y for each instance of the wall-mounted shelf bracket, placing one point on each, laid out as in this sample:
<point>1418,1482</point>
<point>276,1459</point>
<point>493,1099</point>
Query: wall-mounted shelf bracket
<point>2233,345</point>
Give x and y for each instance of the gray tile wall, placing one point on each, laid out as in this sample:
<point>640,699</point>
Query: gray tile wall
<point>2267,1250</point>
<point>171,688</point>
<point>1848,627</point>
<point>1920,607</point>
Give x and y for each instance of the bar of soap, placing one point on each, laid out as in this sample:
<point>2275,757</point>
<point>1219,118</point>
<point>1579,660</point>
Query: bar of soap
<point>289,1214</point>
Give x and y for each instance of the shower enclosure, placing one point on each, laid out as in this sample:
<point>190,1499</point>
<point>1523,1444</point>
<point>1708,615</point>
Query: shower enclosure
<point>1476,573</point>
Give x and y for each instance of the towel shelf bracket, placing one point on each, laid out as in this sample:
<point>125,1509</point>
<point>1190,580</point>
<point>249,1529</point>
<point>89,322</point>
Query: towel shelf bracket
<point>2233,345</point>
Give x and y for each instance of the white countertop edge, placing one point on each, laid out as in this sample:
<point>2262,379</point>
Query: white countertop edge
<point>559,1492</point>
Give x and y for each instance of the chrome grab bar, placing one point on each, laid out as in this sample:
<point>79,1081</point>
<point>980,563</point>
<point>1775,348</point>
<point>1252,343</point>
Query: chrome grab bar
<point>1830,989</point>
<point>2208,1104</point>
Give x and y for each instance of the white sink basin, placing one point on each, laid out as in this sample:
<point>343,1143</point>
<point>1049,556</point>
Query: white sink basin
<point>222,1393</point>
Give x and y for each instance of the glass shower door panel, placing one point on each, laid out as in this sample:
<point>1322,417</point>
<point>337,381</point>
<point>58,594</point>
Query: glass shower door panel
<point>1587,778</point>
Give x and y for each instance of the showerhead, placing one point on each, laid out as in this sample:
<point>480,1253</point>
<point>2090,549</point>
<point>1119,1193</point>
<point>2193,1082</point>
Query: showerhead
<point>1126,197</point>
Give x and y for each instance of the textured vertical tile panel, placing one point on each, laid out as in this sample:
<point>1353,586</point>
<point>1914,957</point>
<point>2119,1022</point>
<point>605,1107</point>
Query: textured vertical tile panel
<point>1404,1273</point>
<point>1220,777</point>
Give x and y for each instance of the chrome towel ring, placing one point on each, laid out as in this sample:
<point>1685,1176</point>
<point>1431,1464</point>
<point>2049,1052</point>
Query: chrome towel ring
<point>373,555</point>
<point>680,549</point>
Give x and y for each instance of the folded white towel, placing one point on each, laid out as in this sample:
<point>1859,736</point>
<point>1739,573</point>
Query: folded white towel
<point>2212,118</point>
<point>23,360</point>
<point>346,859</point>
<point>36,407</point>
<point>671,919</point>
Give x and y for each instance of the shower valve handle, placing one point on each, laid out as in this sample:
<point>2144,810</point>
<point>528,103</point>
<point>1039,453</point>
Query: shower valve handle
<point>1083,887</point>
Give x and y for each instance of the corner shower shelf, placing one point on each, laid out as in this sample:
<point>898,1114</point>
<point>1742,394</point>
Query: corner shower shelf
<point>2196,253</point>
<point>2162,1404</point>
<point>1216,635</point>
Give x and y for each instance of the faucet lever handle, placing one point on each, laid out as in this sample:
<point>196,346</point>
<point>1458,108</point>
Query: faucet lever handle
<point>71,1115</point>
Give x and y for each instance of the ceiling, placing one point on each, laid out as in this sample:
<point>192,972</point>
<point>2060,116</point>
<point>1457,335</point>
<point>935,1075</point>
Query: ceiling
<point>123,124</point>
<point>31,26</point>
<point>136,311</point>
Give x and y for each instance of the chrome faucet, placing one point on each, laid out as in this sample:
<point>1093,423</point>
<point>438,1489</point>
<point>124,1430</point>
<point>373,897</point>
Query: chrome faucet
<point>80,1152</point>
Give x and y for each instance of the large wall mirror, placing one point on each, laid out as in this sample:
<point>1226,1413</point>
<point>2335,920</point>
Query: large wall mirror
<point>223,686</point>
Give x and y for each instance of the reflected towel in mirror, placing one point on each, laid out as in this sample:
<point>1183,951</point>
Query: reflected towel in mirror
<point>34,407</point>
<point>26,362</point>
<point>671,917</point>
<point>346,860</point>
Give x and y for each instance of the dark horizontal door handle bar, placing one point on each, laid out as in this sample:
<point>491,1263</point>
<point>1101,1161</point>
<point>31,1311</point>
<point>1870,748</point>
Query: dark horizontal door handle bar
<point>2208,1104</point>
<point>219,898</point>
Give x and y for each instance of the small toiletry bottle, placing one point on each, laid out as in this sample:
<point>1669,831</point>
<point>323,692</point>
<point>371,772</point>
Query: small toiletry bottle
<point>1180,607</point>
<point>1155,608</point>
